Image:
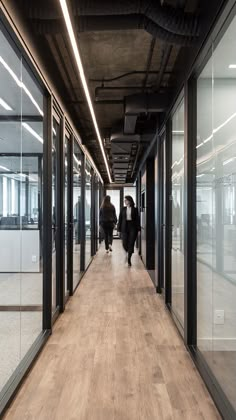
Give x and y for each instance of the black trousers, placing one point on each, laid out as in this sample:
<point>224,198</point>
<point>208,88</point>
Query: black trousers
<point>129,237</point>
<point>108,234</point>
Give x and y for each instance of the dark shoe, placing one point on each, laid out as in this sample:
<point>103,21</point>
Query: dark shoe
<point>129,261</point>
<point>110,248</point>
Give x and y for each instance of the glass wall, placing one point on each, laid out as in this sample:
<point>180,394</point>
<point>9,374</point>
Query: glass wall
<point>66,191</point>
<point>88,224</point>
<point>21,156</point>
<point>55,143</point>
<point>216,212</point>
<point>177,185</point>
<point>76,213</point>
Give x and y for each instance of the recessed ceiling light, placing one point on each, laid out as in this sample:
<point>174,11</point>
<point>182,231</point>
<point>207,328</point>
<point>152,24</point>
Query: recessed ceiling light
<point>232,66</point>
<point>5,105</point>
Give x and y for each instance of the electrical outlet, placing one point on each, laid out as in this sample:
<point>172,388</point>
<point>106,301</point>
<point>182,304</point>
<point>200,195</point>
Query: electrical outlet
<point>219,317</point>
<point>34,258</point>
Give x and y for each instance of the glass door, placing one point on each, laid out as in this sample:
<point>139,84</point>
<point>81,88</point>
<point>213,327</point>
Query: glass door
<point>77,212</point>
<point>55,142</point>
<point>66,196</point>
<point>177,186</point>
<point>87,210</point>
<point>163,213</point>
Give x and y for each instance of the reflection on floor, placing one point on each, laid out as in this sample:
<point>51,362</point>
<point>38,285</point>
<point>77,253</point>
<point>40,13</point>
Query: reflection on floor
<point>115,354</point>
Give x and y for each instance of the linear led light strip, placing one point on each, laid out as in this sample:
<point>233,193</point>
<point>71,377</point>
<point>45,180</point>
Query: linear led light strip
<point>177,162</point>
<point>77,161</point>
<point>83,79</point>
<point>5,105</point>
<point>216,129</point>
<point>4,168</point>
<point>31,131</point>
<point>20,84</point>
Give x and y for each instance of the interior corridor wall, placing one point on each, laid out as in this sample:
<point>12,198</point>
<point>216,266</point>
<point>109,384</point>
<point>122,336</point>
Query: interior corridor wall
<point>216,212</point>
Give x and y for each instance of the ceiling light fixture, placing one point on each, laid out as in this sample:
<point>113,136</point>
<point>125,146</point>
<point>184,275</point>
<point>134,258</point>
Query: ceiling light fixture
<point>5,105</point>
<point>31,131</point>
<point>232,66</point>
<point>178,132</point>
<point>226,162</point>
<point>82,77</point>
<point>20,84</point>
<point>77,160</point>
<point>4,168</point>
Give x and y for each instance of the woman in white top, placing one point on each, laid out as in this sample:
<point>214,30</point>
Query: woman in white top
<point>129,226</point>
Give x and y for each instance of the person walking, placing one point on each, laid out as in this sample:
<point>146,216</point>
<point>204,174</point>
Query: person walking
<point>107,220</point>
<point>129,226</point>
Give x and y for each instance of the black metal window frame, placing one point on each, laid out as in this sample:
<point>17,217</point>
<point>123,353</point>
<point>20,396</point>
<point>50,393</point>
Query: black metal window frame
<point>221,26</point>
<point>24,365</point>
<point>166,131</point>
<point>228,12</point>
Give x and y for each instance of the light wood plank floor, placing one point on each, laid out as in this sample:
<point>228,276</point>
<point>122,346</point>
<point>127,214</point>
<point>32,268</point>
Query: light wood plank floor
<point>114,354</point>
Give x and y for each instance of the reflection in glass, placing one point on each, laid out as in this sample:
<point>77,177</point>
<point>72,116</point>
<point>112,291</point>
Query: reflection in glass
<point>87,213</point>
<point>216,213</point>
<point>55,142</point>
<point>66,211</point>
<point>177,182</point>
<point>21,155</point>
<point>76,213</point>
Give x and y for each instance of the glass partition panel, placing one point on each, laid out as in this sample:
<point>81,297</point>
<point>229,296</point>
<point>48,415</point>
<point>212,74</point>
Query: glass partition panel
<point>55,143</point>
<point>87,213</point>
<point>76,213</point>
<point>21,157</point>
<point>216,212</point>
<point>177,183</point>
<point>66,191</point>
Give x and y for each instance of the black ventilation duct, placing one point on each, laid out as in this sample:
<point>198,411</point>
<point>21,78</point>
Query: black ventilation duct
<point>163,22</point>
<point>138,104</point>
<point>166,17</point>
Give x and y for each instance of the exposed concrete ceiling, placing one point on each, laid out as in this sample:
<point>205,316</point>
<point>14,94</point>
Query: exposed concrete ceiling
<point>153,64</point>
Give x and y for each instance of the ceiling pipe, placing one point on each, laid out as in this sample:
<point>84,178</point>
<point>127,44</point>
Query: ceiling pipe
<point>130,73</point>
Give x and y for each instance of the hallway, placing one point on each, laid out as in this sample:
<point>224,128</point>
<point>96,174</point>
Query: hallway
<point>115,354</point>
